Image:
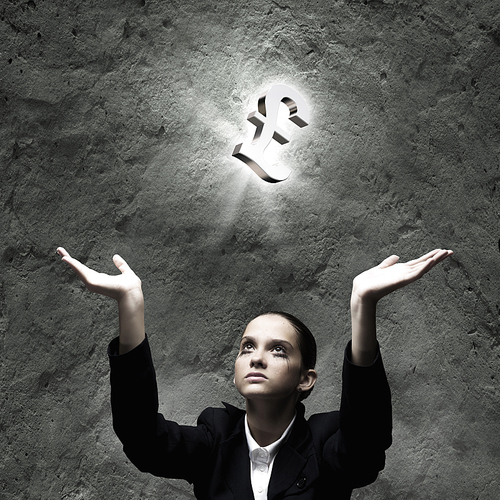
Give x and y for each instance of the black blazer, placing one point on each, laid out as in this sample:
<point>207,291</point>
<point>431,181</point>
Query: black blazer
<point>325,457</point>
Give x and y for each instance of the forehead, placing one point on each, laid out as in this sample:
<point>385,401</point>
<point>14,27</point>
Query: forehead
<point>271,326</point>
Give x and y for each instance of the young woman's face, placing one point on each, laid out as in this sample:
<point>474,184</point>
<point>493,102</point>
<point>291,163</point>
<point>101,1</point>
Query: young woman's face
<point>269,363</point>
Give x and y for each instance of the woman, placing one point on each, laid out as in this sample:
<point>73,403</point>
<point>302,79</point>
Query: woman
<point>269,450</point>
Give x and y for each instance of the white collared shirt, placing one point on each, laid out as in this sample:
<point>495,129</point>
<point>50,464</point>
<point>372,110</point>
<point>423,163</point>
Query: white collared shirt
<point>262,460</point>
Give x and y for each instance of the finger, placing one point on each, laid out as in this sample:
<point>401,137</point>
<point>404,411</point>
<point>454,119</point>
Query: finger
<point>443,254</point>
<point>423,267</point>
<point>390,261</point>
<point>424,257</point>
<point>62,252</point>
<point>80,269</point>
<point>73,263</point>
<point>121,264</point>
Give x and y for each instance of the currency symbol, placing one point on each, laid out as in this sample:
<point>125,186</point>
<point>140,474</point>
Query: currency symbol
<point>265,119</point>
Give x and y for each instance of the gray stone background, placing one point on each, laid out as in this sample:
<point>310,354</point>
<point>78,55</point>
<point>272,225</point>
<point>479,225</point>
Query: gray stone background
<point>118,120</point>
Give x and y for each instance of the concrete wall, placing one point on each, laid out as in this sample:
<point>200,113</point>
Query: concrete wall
<point>118,120</point>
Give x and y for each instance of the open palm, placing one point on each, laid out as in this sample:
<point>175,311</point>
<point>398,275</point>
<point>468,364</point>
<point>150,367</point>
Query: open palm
<point>104,284</point>
<point>390,275</point>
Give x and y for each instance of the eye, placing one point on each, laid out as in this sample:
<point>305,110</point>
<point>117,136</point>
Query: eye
<point>246,348</point>
<point>279,351</point>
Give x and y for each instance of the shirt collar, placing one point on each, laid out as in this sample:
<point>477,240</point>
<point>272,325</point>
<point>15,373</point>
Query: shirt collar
<point>266,454</point>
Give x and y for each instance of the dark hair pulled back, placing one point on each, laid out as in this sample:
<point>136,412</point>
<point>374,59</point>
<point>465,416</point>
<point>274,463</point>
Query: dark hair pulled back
<point>306,342</point>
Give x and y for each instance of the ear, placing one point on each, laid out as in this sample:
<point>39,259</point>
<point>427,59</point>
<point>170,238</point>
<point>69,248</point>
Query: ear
<point>307,381</point>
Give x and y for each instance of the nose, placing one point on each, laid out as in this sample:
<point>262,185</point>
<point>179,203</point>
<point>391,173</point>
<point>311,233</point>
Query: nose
<point>257,359</point>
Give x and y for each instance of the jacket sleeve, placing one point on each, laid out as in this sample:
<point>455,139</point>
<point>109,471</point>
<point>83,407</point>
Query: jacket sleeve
<point>152,443</point>
<point>358,448</point>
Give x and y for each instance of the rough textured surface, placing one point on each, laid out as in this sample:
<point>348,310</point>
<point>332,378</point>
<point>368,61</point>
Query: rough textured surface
<point>117,125</point>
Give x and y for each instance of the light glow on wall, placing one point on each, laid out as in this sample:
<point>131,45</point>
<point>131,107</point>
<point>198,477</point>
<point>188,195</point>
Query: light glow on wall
<point>265,118</point>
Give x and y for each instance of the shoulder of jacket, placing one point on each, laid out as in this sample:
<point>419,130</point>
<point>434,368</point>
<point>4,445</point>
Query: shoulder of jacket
<point>324,423</point>
<point>221,419</point>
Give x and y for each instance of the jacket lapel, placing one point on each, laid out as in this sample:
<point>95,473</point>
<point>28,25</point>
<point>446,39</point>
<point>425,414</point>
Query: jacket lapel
<point>295,465</point>
<point>236,462</point>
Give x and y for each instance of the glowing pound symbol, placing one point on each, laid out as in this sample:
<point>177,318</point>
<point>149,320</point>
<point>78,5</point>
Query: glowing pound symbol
<point>266,118</point>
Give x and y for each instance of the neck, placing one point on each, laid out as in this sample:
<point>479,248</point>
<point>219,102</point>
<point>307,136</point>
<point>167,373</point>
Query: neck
<point>268,420</point>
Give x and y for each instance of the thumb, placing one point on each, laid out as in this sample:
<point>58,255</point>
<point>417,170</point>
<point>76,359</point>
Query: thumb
<point>121,264</point>
<point>390,261</point>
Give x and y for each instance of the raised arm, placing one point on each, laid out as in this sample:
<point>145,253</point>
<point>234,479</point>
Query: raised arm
<point>125,288</point>
<point>369,287</point>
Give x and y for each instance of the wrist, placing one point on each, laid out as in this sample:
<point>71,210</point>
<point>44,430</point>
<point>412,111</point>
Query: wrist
<point>362,302</point>
<point>131,319</point>
<point>364,338</point>
<point>131,299</point>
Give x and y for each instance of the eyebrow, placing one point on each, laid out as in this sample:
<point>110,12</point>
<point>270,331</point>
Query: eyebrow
<point>273,341</point>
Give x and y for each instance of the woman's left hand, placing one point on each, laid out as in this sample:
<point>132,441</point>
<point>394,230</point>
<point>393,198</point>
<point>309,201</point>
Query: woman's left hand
<point>377,282</point>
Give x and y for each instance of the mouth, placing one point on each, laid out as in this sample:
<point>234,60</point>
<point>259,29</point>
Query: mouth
<point>256,376</point>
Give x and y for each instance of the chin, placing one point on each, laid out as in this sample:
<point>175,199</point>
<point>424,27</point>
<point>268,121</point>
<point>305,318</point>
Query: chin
<point>256,395</point>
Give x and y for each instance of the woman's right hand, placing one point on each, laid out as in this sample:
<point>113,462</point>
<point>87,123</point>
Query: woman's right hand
<point>125,288</point>
<point>116,287</point>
